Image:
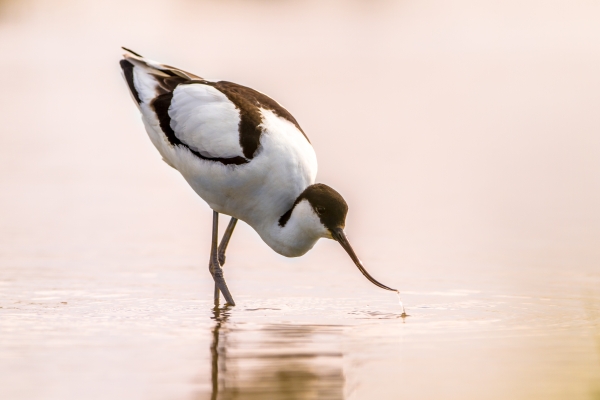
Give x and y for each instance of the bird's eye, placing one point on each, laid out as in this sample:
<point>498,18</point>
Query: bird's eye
<point>320,210</point>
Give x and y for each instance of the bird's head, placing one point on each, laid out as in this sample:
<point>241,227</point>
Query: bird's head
<point>324,210</point>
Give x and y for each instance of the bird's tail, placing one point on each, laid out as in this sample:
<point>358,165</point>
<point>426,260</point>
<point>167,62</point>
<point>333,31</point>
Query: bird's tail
<point>147,79</point>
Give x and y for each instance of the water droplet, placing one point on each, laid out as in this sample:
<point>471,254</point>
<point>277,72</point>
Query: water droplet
<point>401,305</point>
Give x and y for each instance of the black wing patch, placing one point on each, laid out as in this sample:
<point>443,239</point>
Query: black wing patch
<point>250,100</point>
<point>127,68</point>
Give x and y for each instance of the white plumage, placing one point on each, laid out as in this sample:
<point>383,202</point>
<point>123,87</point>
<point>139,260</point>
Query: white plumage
<point>206,120</point>
<point>258,192</point>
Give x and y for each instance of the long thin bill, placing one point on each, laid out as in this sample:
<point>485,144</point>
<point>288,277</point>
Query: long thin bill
<point>340,236</point>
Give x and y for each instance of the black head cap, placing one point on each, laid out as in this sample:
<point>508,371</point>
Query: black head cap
<point>328,204</point>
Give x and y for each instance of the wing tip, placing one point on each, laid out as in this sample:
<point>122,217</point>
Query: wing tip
<point>127,68</point>
<point>132,52</point>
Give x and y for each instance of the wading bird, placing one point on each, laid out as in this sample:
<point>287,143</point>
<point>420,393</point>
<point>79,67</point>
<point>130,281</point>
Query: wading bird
<point>244,154</point>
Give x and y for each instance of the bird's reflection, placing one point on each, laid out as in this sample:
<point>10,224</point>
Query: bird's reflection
<point>220,316</point>
<point>276,361</point>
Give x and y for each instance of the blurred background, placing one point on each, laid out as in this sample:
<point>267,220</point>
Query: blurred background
<point>464,135</point>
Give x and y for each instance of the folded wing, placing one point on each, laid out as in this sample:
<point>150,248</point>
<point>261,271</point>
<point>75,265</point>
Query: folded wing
<point>189,110</point>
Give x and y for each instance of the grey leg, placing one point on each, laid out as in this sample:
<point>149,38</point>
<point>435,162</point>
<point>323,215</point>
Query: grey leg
<point>225,239</point>
<point>223,248</point>
<point>215,267</point>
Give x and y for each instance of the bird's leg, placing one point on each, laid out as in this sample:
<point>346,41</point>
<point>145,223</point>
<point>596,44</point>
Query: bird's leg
<point>225,240</point>
<point>215,267</point>
<point>223,248</point>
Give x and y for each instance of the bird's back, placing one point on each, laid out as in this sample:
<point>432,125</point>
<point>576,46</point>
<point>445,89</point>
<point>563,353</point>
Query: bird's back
<point>241,151</point>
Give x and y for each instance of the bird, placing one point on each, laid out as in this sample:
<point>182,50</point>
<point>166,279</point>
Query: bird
<point>244,154</point>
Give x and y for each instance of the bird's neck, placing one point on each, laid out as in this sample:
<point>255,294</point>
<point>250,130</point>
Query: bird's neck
<point>297,235</point>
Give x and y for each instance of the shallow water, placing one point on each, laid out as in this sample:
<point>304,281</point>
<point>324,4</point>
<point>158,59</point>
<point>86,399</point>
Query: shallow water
<point>472,174</point>
<point>155,335</point>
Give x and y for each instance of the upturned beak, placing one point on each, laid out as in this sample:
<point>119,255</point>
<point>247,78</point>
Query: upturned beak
<point>339,235</point>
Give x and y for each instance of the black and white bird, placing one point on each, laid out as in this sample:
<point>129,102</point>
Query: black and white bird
<point>244,154</point>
